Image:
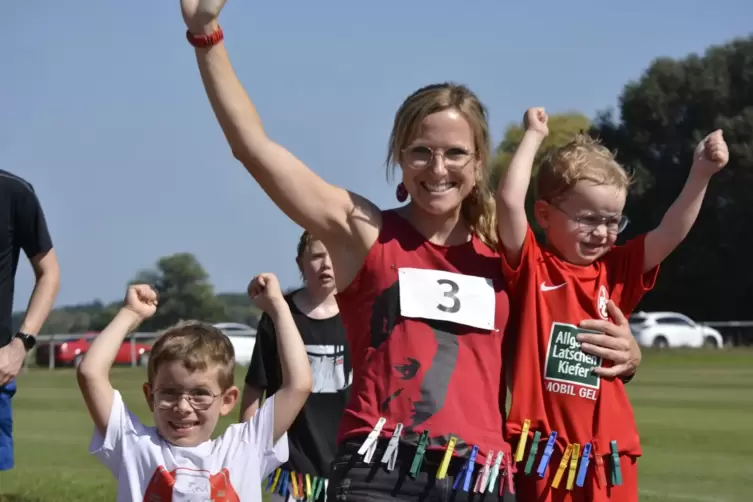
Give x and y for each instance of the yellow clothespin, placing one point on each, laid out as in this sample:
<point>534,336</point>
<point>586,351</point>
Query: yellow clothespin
<point>522,441</point>
<point>563,465</point>
<point>573,466</point>
<point>442,471</point>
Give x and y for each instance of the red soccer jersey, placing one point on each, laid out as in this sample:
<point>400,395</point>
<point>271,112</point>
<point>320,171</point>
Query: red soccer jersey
<point>552,383</point>
<point>441,376</point>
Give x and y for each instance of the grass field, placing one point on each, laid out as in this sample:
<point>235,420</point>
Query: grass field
<point>694,411</point>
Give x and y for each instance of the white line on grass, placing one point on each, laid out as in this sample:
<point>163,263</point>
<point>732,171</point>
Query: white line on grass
<point>681,496</point>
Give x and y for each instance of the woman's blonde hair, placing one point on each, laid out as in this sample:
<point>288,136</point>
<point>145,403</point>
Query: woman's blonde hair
<point>478,208</point>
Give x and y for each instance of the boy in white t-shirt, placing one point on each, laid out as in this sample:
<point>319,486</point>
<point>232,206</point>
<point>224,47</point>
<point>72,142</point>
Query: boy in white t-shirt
<point>190,385</point>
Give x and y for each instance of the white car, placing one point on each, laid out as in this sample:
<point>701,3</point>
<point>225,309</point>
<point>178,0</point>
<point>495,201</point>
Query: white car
<point>671,329</point>
<point>242,337</point>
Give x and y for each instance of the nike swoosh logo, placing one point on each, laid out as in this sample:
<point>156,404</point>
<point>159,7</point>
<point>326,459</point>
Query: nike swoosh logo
<point>544,286</point>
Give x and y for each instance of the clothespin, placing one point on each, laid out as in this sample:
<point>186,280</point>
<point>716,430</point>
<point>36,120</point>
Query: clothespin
<point>368,447</point>
<point>562,466</point>
<point>294,479</point>
<point>548,450</point>
<point>418,458</point>
<point>616,470</point>
<point>319,486</point>
<point>483,476</point>
<point>284,484</point>
<point>510,469</point>
<point>585,459</point>
<point>390,454</point>
<point>573,466</point>
<point>273,477</point>
<point>522,440</point>
<point>601,477</point>
<point>495,471</point>
<point>309,492</point>
<point>442,471</point>
<point>301,486</point>
<point>466,472</point>
<point>532,452</point>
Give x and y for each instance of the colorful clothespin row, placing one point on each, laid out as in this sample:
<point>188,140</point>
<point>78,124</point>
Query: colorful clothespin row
<point>532,452</point>
<point>465,473</point>
<point>522,440</point>
<point>442,471</point>
<point>573,466</point>
<point>369,445</point>
<point>548,450</point>
<point>418,458</point>
<point>510,469</point>
<point>390,454</point>
<point>585,459</point>
<point>562,466</point>
<point>483,476</point>
<point>495,472</point>
<point>616,469</point>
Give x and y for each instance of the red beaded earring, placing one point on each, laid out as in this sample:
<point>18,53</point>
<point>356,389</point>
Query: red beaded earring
<point>401,193</point>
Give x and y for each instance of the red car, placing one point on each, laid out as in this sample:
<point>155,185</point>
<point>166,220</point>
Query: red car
<point>70,351</point>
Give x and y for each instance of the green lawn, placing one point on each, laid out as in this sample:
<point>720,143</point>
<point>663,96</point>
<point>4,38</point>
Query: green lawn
<point>694,410</point>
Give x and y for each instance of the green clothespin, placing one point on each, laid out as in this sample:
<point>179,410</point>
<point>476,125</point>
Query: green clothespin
<point>616,471</point>
<point>418,459</point>
<point>532,452</point>
<point>319,485</point>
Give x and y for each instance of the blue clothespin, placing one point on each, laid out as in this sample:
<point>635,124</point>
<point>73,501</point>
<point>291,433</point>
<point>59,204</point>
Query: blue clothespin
<point>467,471</point>
<point>548,450</point>
<point>582,471</point>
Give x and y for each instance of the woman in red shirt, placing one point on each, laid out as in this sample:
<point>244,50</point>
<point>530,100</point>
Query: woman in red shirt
<point>421,292</point>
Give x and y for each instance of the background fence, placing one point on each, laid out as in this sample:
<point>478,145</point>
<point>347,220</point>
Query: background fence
<point>66,349</point>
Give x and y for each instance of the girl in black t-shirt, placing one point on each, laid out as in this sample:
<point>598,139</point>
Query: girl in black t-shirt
<point>312,437</point>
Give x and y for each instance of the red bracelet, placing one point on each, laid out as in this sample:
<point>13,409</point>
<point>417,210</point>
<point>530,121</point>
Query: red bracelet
<point>202,41</point>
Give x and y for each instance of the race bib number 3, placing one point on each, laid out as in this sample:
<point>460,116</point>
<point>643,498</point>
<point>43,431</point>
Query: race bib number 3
<point>565,362</point>
<point>446,296</point>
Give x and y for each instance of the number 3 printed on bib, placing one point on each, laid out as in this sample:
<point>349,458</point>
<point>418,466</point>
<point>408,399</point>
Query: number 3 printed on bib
<point>447,296</point>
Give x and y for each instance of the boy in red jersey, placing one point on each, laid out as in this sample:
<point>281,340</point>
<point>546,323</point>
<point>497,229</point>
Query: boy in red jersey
<point>573,424</point>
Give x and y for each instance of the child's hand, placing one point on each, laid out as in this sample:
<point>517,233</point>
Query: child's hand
<point>535,120</point>
<point>142,300</point>
<point>265,291</point>
<point>711,154</point>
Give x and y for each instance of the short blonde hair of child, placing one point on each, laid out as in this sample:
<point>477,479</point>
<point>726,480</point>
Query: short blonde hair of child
<point>199,347</point>
<point>582,159</point>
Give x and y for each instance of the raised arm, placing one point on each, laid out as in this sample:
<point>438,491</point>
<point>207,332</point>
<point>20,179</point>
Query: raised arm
<point>296,371</point>
<point>513,186</point>
<point>93,373</point>
<point>709,157</point>
<point>343,220</point>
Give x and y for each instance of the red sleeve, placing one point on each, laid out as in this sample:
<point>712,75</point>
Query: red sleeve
<point>627,280</point>
<point>528,255</point>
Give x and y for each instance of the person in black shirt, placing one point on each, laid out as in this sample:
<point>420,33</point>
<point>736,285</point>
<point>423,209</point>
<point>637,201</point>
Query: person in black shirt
<point>313,436</point>
<point>22,226</point>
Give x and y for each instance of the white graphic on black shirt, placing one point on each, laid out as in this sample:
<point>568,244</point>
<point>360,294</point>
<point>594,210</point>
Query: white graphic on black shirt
<point>328,368</point>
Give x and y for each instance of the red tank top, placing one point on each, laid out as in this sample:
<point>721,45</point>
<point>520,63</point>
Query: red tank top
<point>443,377</point>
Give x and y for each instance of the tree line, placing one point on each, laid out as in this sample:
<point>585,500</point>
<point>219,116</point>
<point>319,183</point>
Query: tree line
<point>661,117</point>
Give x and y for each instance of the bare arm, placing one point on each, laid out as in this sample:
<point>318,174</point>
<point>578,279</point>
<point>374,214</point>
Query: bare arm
<point>250,402</point>
<point>296,371</point>
<point>513,186</point>
<point>710,156</point>
<point>93,372</point>
<point>344,221</point>
<point>47,273</point>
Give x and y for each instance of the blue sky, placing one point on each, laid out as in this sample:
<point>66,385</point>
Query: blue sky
<point>102,109</point>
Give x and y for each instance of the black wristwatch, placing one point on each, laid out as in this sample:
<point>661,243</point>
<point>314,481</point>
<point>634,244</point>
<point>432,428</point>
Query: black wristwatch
<point>626,379</point>
<point>29,340</point>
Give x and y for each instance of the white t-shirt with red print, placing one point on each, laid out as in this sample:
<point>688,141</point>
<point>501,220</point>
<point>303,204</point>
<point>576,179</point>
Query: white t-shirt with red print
<point>227,469</point>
